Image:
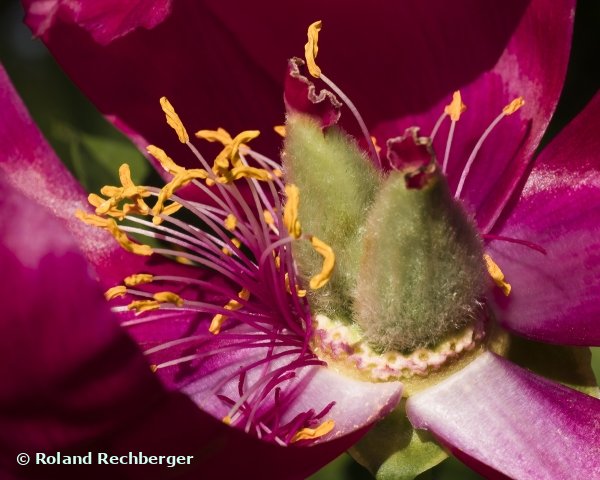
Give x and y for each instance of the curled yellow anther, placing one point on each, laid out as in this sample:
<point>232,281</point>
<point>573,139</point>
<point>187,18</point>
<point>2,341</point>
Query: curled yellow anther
<point>230,222</point>
<point>312,433</point>
<point>115,292</point>
<point>178,181</point>
<point>496,274</point>
<point>219,135</point>
<point>312,48</point>
<point>217,321</point>
<point>138,279</point>
<point>165,161</point>
<point>168,297</point>
<point>301,293</point>
<point>143,306</point>
<point>111,226</point>
<point>456,107</point>
<point>174,121</point>
<point>154,368</point>
<point>168,210</point>
<point>243,171</point>
<point>280,130</point>
<point>290,211</point>
<point>320,279</point>
<point>513,106</point>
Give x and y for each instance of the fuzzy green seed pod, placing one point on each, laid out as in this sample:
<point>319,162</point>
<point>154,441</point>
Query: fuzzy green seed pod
<point>422,271</point>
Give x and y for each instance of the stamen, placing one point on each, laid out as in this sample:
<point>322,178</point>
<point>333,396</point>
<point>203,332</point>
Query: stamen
<point>526,243</point>
<point>497,275</point>
<point>320,279</point>
<point>280,130</point>
<point>312,48</point>
<point>313,433</point>
<point>115,292</point>
<point>454,110</point>
<point>230,222</point>
<point>174,121</point>
<point>143,306</point>
<point>111,226</point>
<point>168,297</point>
<point>509,109</point>
<point>138,279</point>
<point>290,211</point>
<point>165,161</point>
<point>217,321</point>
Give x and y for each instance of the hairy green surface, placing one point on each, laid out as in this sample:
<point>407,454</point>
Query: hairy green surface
<point>421,271</point>
<point>337,185</point>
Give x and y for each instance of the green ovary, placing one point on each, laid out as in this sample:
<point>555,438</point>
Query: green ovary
<point>409,268</point>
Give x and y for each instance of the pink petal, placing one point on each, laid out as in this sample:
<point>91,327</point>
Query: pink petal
<point>533,66</point>
<point>74,382</point>
<point>358,404</point>
<point>222,63</point>
<point>555,297</point>
<point>105,20</point>
<point>502,421</point>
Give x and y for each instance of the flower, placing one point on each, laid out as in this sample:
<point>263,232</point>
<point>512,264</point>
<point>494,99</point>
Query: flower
<point>488,209</point>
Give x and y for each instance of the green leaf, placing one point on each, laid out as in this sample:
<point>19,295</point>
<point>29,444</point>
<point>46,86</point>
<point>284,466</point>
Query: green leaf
<point>394,450</point>
<point>570,366</point>
<point>95,159</point>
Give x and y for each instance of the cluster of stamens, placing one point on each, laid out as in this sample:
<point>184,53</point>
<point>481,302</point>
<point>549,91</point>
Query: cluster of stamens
<point>243,235</point>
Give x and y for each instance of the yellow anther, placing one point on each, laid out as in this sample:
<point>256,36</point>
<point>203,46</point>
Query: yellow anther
<point>91,219</point>
<point>154,368</point>
<point>496,274</point>
<point>111,226</point>
<point>227,420</point>
<point>227,251</point>
<point>168,297</point>
<point>377,147</point>
<point>299,292</point>
<point>138,279</point>
<point>320,279</point>
<point>456,107</point>
<point>125,176</point>
<point>277,172</point>
<point>280,130</point>
<point>165,161</point>
<point>178,181</point>
<point>219,135</point>
<point>143,306</point>
<point>230,222</point>
<point>243,171</point>
<point>217,321</point>
<point>290,211</point>
<point>312,48</point>
<point>168,210</point>
<point>230,152</point>
<point>313,433</point>
<point>269,220</point>
<point>513,106</point>
<point>174,121</point>
<point>115,292</point>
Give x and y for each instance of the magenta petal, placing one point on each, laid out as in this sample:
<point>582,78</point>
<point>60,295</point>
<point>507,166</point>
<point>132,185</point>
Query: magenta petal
<point>503,420</point>
<point>541,37</point>
<point>555,297</point>
<point>222,63</point>
<point>105,20</point>
<point>357,404</point>
<point>70,373</point>
<point>74,382</point>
